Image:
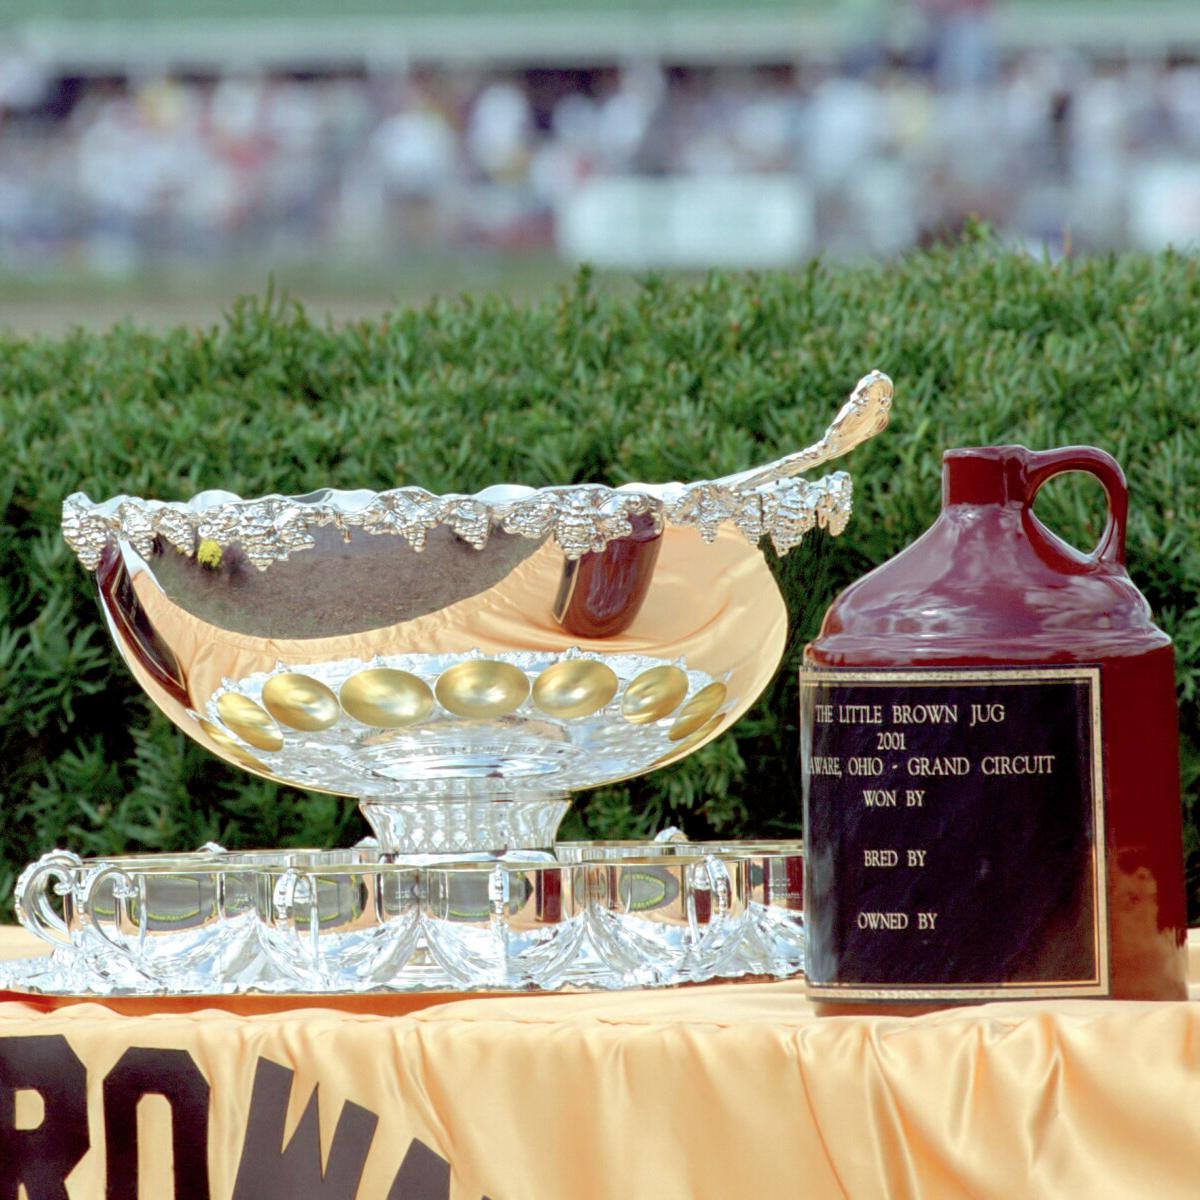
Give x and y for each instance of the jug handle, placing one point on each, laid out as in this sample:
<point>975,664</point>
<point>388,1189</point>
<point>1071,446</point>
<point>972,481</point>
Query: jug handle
<point>1044,465</point>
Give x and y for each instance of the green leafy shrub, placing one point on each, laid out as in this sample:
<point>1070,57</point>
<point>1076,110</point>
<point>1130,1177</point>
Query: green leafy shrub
<point>674,381</point>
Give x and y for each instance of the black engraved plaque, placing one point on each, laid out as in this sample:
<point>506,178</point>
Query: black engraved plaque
<point>951,826</point>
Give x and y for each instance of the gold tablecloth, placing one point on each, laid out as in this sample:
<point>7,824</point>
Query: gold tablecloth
<point>725,1092</point>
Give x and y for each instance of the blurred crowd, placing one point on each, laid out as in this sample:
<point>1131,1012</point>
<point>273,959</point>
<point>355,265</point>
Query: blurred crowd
<point>1049,147</point>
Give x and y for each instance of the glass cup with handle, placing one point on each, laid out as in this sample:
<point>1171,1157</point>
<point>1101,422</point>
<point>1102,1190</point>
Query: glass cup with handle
<point>666,919</point>
<point>347,926</point>
<point>510,925</point>
<point>50,893</point>
<point>775,939</point>
<point>188,922</point>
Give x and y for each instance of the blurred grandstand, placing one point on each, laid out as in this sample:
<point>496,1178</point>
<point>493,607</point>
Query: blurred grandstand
<point>631,133</point>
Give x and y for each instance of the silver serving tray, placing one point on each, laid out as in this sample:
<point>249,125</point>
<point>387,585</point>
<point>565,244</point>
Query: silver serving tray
<point>307,924</point>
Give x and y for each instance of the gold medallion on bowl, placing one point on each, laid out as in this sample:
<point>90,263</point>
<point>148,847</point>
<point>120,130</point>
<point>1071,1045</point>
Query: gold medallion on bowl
<point>301,702</point>
<point>687,744</point>
<point>575,688</point>
<point>654,694</point>
<point>698,710</point>
<point>482,688</point>
<point>230,748</point>
<point>387,698</point>
<point>250,721</point>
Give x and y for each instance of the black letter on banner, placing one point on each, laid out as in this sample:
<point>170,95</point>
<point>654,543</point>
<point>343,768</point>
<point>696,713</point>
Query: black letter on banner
<point>268,1171</point>
<point>424,1175</point>
<point>41,1158</point>
<point>173,1074</point>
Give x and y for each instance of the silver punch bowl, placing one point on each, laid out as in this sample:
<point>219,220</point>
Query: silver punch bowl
<point>461,664</point>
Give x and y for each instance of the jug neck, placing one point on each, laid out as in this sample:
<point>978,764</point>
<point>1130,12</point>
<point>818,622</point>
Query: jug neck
<point>996,475</point>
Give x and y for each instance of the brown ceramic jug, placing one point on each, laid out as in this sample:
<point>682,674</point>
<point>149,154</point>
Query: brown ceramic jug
<point>990,760</point>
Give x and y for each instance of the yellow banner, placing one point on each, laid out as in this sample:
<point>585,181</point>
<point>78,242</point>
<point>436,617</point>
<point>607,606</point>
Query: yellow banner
<point>725,1092</point>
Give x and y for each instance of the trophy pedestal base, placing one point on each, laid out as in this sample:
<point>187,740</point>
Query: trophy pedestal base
<point>484,826</point>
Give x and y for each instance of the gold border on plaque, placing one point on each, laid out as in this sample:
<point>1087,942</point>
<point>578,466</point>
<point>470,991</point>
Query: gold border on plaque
<point>1098,985</point>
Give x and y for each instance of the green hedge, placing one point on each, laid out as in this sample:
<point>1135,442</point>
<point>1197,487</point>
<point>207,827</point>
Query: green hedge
<point>671,381</point>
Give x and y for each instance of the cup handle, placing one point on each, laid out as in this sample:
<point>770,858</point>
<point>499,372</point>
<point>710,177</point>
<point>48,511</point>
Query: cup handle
<point>292,889</point>
<point>34,910</point>
<point>720,890</point>
<point>498,893</point>
<point>123,888</point>
<point>671,835</point>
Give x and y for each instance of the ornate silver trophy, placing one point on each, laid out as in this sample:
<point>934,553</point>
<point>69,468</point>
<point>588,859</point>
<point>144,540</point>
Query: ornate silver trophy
<point>459,665</point>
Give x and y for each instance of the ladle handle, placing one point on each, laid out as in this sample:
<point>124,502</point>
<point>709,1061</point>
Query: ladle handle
<point>863,415</point>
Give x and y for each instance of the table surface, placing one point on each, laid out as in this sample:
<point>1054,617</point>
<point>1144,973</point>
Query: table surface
<point>722,1091</point>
